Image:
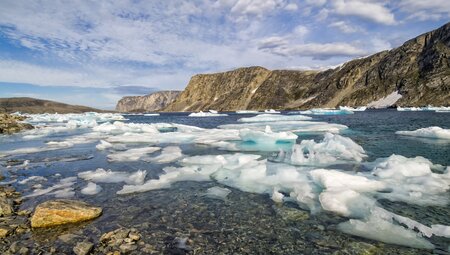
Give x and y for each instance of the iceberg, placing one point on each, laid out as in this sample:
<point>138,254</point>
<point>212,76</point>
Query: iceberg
<point>206,114</point>
<point>429,132</point>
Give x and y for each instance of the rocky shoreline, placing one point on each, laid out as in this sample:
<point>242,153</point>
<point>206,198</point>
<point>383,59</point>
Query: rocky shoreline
<point>10,124</point>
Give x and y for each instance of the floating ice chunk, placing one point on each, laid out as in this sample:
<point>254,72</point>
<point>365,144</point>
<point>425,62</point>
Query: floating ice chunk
<point>206,114</point>
<point>108,176</point>
<point>336,180</point>
<point>168,154</point>
<point>429,132</point>
<point>32,179</point>
<point>441,230</point>
<point>132,154</point>
<point>271,118</point>
<point>293,126</point>
<point>271,111</point>
<point>151,114</point>
<point>277,196</point>
<point>267,137</point>
<point>171,175</point>
<point>78,118</point>
<point>332,149</point>
<point>379,229</point>
<point>103,145</point>
<point>411,180</point>
<point>64,188</point>
<point>346,202</point>
<point>213,111</point>
<point>91,189</point>
<point>246,112</point>
<point>358,109</point>
<point>50,146</point>
<point>326,112</point>
<point>217,193</point>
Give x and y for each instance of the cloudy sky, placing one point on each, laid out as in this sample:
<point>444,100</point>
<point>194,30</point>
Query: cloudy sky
<point>94,52</point>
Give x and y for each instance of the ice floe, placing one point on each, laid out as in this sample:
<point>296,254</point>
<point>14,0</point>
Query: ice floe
<point>207,114</point>
<point>273,118</point>
<point>429,132</point>
<point>109,176</point>
<point>427,108</point>
<point>87,118</point>
<point>247,112</point>
<point>132,154</point>
<point>271,111</point>
<point>357,109</point>
<point>326,112</point>
<point>266,137</point>
<point>91,189</point>
<point>64,188</point>
<point>168,154</point>
<point>332,149</point>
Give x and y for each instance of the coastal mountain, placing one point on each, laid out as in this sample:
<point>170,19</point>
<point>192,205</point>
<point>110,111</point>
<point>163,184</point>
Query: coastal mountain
<point>148,103</point>
<point>414,74</point>
<point>33,105</point>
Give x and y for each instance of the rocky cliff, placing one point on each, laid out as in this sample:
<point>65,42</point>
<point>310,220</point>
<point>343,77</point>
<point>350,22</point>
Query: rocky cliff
<point>419,71</point>
<point>149,103</point>
<point>33,105</point>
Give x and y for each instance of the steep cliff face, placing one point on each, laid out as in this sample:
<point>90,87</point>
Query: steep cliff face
<point>419,70</point>
<point>149,103</point>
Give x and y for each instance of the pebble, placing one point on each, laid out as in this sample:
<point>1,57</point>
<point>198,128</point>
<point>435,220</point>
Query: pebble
<point>83,248</point>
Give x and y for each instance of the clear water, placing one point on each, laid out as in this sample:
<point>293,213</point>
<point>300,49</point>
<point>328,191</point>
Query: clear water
<point>245,223</point>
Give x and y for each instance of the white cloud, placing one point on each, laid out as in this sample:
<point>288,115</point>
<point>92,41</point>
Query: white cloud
<point>291,7</point>
<point>345,27</point>
<point>426,10</point>
<point>370,10</point>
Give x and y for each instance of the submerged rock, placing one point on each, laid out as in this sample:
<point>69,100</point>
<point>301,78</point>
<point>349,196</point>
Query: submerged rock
<point>83,248</point>
<point>59,212</point>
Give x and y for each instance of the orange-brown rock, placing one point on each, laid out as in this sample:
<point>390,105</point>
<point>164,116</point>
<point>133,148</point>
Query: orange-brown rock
<point>62,211</point>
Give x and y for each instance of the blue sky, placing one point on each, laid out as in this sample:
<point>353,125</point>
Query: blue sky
<point>94,52</point>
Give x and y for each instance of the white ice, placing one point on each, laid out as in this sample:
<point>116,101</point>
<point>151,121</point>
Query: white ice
<point>271,111</point>
<point>326,112</point>
<point>429,132</point>
<point>64,188</point>
<point>332,149</point>
<point>32,179</point>
<point>91,189</point>
<point>206,114</point>
<point>109,176</point>
<point>293,126</point>
<point>357,109</point>
<point>168,154</point>
<point>272,118</point>
<point>246,112</point>
<point>268,137</point>
<point>132,154</point>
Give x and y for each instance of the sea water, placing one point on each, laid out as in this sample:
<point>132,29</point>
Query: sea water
<point>287,183</point>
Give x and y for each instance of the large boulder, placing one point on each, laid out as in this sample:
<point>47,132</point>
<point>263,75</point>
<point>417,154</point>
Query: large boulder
<point>62,211</point>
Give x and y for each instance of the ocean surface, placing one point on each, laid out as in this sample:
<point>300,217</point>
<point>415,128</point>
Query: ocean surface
<point>222,190</point>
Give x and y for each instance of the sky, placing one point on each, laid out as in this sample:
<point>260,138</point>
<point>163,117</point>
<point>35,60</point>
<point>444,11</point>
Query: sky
<point>94,52</point>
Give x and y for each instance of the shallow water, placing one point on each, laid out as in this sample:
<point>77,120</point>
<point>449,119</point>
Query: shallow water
<point>242,223</point>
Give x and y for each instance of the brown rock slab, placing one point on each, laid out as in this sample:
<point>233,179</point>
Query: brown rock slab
<point>63,211</point>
